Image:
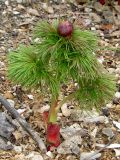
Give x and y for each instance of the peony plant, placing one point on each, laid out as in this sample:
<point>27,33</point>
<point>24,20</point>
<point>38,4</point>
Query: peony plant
<point>63,53</point>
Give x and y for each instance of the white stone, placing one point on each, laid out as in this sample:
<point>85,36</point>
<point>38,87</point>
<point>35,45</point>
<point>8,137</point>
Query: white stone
<point>102,34</point>
<point>117,45</point>
<point>30,97</point>
<point>37,40</point>
<point>117,124</point>
<point>45,108</point>
<point>117,152</point>
<point>50,154</point>
<point>111,70</point>
<point>18,149</point>
<point>6,3</point>
<point>87,22</point>
<point>88,10</point>
<point>93,29</point>
<point>12,103</point>
<point>117,94</point>
<point>16,12</point>
<point>109,105</point>
<point>59,116</point>
<point>101,59</point>
<point>76,84</point>
<point>65,110</point>
<point>117,76</point>
<point>21,111</point>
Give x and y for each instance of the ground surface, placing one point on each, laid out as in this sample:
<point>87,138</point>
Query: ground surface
<point>17,21</point>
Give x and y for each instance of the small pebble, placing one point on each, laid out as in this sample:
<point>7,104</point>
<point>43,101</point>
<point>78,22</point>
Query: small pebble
<point>88,10</point>
<point>65,110</point>
<point>93,29</point>
<point>50,154</point>
<point>117,94</point>
<point>109,105</point>
<point>6,3</point>
<point>108,132</point>
<point>16,12</point>
<point>30,97</point>
<point>111,70</point>
<point>101,59</point>
<point>18,149</point>
<point>45,108</point>
<point>105,112</point>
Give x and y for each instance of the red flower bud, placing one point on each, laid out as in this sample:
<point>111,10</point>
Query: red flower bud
<point>65,28</point>
<point>102,2</point>
<point>118,2</point>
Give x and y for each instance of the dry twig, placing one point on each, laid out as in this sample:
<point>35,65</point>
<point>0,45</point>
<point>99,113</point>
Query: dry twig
<point>100,150</point>
<point>23,123</point>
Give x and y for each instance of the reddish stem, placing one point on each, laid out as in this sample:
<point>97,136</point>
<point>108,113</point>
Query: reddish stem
<point>52,128</point>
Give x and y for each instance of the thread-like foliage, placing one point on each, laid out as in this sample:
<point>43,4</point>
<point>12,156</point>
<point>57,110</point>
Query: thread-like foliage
<point>56,59</point>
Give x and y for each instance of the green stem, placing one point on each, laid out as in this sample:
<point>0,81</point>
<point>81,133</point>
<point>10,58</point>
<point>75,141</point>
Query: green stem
<point>55,107</point>
<point>53,113</point>
<point>69,97</point>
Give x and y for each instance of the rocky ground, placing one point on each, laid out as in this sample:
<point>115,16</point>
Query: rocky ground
<point>82,133</point>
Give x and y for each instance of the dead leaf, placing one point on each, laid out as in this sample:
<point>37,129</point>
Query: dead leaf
<point>33,12</point>
<point>47,8</point>
<point>106,26</point>
<point>112,146</point>
<point>117,124</point>
<point>8,95</point>
<point>90,155</point>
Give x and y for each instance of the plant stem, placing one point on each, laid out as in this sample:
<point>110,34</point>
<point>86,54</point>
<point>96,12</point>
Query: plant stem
<point>55,107</point>
<point>69,97</point>
<point>53,113</point>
